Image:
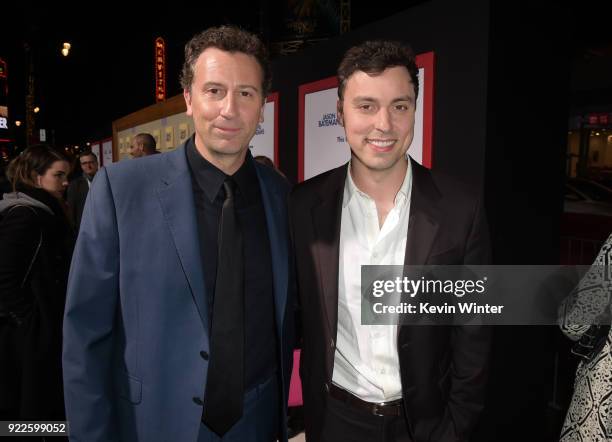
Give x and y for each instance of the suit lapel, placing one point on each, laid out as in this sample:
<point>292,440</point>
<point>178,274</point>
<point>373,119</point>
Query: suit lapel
<point>276,221</point>
<point>175,194</point>
<point>422,227</point>
<point>326,218</point>
<point>424,214</point>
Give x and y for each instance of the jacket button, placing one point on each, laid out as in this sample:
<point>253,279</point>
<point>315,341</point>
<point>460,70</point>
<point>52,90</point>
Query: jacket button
<point>198,401</point>
<point>331,343</point>
<point>326,385</point>
<point>204,355</point>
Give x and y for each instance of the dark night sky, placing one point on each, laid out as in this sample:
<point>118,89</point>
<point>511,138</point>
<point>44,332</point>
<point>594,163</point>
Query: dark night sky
<point>109,72</point>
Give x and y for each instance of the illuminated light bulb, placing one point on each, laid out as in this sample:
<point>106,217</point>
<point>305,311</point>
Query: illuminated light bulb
<point>66,49</point>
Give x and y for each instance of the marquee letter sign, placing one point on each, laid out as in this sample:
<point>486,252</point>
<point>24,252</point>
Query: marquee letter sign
<point>160,69</point>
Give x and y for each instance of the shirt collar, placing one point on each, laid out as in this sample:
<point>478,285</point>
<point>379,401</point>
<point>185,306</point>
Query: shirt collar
<point>210,178</point>
<point>351,189</point>
<point>246,179</point>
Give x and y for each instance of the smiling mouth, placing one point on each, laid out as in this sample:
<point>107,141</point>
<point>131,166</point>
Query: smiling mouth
<point>381,145</point>
<point>227,129</point>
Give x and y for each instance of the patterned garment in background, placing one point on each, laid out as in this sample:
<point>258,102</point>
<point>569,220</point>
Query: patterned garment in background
<point>589,418</point>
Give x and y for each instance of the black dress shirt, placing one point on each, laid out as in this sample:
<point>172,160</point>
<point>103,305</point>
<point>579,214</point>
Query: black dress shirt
<point>207,181</point>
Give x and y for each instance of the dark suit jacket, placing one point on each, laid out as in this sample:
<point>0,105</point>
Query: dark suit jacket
<point>443,368</point>
<point>77,193</point>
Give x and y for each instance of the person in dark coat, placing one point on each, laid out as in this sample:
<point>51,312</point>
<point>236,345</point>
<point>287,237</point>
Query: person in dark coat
<point>36,240</point>
<point>79,187</point>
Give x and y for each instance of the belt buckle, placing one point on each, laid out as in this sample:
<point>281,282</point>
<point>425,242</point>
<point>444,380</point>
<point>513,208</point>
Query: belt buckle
<point>378,409</point>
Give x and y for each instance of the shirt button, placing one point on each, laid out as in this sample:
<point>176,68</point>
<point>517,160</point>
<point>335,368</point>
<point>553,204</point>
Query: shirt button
<point>198,401</point>
<point>204,355</point>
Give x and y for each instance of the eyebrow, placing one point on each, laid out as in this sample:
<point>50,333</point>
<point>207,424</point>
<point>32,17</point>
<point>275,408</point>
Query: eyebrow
<point>395,100</point>
<point>240,86</point>
<point>248,86</point>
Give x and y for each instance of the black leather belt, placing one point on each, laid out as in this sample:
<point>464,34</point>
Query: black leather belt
<point>393,408</point>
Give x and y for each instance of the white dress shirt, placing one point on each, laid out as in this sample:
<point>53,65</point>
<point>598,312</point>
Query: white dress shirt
<point>366,361</point>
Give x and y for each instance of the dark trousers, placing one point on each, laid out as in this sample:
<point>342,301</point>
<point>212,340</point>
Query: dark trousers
<point>347,424</point>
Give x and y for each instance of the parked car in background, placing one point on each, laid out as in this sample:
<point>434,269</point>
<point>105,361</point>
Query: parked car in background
<point>586,196</point>
<point>586,221</point>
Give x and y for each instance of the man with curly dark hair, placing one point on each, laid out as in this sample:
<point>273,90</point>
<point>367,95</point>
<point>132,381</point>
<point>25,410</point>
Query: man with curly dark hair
<point>179,318</point>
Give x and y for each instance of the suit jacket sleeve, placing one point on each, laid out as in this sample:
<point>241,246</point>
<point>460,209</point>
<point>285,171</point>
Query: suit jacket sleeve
<point>471,349</point>
<point>93,291</point>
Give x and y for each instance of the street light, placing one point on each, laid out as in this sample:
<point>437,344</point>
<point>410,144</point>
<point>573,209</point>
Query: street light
<point>66,49</point>
<point>36,110</point>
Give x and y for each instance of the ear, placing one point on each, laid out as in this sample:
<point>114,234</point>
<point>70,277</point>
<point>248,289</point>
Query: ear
<point>261,113</point>
<point>187,97</point>
<point>339,114</point>
<point>38,179</point>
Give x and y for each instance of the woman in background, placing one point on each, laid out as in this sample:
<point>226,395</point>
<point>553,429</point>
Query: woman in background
<point>36,243</point>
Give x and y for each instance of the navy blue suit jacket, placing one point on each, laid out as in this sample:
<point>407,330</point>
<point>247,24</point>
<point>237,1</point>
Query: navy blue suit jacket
<point>136,321</point>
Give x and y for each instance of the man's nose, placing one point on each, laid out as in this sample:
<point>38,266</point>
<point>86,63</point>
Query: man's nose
<point>229,106</point>
<point>383,120</point>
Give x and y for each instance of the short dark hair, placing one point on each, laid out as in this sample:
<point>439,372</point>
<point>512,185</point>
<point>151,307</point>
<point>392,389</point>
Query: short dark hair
<point>35,160</point>
<point>373,57</point>
<point>88,153</point>
<point>148,142</point>
<point>229,39</point>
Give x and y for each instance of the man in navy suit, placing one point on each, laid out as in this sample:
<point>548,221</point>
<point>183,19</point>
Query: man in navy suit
<point>140,337</point>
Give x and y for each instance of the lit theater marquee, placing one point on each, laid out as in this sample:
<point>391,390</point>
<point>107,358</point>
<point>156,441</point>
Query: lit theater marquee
<point>3,117</point>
